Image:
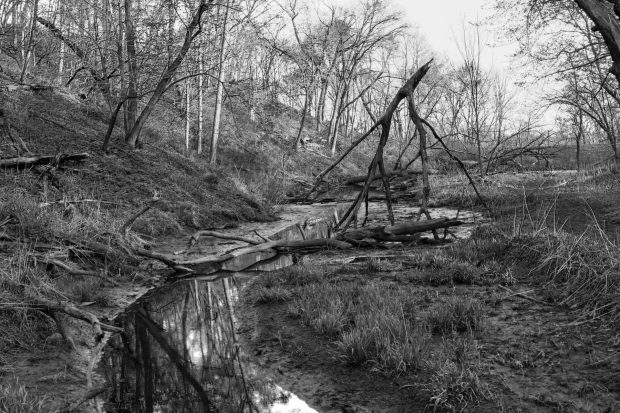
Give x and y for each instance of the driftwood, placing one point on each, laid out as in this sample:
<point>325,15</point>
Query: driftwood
<point>371,236</point>
<point>197,235</point>
<point>34,160</point>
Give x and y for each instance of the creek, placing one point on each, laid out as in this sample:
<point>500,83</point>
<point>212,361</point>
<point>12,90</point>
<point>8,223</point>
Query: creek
<point>181,351</point>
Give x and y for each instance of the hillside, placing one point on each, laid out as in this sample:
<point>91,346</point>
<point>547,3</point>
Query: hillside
<point>245,186</point>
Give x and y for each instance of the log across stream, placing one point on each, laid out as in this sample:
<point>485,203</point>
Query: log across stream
<point>180,350</point>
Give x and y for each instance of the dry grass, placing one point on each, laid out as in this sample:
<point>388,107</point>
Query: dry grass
<point>14,398</point>
<point>582,270</point>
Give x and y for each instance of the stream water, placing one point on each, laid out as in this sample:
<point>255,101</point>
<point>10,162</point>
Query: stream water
<point>180,351</point>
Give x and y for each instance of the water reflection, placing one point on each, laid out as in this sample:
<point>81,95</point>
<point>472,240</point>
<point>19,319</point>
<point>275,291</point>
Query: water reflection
<point>180,353</point>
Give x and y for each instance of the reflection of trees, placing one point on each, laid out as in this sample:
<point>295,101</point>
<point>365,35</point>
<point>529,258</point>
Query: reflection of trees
<point>180,354</point>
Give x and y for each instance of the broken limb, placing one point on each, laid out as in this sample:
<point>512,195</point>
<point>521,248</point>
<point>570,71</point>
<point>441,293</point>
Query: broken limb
<point>460,163</point>
<point>197,235</point>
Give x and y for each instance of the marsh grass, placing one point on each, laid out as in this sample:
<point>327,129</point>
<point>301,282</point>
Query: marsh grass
<point>458,264</point>
<point>456,387</point>
<point>456,314</point>
<point>372,324</point>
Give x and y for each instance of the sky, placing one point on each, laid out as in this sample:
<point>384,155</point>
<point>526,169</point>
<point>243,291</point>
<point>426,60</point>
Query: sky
<point>441,23</point>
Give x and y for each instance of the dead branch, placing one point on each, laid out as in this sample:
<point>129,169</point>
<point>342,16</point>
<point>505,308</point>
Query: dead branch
<point>459,162</point>
<point>364,237</point>
<point>279,245</point>
<point>77,201</point>
<point>385,121</point>
<point>34,160</point>
<point>525,296</point>
<point>162,258</point>
<point>68,308</point>
<point>197,235</point>
<point>76,271</point>
<point>127,225</point>
<point>393,232</point>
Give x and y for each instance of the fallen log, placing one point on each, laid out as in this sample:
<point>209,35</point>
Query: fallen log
<point>362,178</point>
<point>197,235</point>
<point>391,233</point>
<point>364,237</point>
<point>34,160</point>
<point>279,245</point>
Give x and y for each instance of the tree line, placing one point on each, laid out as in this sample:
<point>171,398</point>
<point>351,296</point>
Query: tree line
<point>334,68</point>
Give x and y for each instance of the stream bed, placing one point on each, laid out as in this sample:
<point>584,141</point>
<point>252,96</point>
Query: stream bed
<point>181,351</point>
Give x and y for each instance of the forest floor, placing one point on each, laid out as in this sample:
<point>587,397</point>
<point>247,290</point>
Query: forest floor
<point>522,316</point>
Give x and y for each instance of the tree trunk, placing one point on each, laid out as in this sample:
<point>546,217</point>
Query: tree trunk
<point>61,54</point>
<point>201,68</point>
<point>30,42</point>
<point>187,115</point>
<point>320,111</point>
<point>303,119</point>
<point>130,42</point>
<point>579,138</point>
<point>609,27</point>
<point>191,32</point>
<point>215,135</point>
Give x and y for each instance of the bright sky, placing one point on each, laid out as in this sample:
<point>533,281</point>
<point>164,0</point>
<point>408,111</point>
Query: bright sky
<point>441,22</point>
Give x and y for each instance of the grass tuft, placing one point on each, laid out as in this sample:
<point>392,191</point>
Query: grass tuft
<point>371,324</point>
<point>456,387</point>
<point>456,314</point>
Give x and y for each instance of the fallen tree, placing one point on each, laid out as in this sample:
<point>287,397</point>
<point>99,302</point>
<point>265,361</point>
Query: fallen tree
<point>35,160</point>
<point>392,174</point>
<point>406,232</point>
<point>376,168</point>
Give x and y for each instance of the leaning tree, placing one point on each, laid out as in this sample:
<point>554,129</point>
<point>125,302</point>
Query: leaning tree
<point>377,165</point>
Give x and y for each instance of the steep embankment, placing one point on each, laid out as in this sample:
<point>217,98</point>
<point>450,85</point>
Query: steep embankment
<point>51,121</point>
